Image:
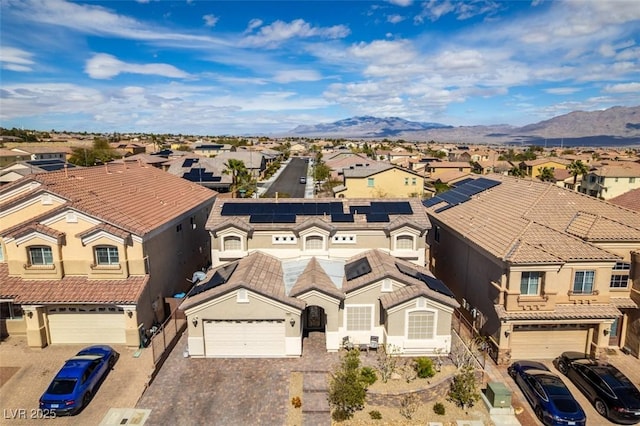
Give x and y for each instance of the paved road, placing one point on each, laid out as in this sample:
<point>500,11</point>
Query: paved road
<point>288,182</point>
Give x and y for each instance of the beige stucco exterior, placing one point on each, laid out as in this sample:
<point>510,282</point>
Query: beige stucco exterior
<point>391,183</point>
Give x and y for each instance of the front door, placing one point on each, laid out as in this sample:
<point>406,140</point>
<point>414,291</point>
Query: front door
<point>614,333</point>
<point>315,318</point>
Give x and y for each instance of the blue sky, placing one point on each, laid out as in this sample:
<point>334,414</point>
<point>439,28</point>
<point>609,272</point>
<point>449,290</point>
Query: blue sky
<point>264,67</point>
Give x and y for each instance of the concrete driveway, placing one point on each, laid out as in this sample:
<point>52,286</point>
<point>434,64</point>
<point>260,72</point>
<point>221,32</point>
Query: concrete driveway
<point>627,364</point>
<point>27,372</point>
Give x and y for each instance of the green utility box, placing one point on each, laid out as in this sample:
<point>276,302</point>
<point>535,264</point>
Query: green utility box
<point>499,395</point>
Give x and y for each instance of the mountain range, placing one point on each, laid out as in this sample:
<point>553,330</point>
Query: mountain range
<point>616,126</point>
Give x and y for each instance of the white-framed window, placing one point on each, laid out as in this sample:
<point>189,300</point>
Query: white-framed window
<point>530,283</point>
<point>387,285</point>
<point>583,282</point>
<point>106,255</point>
<point>406,181</point>
<point>344,239</point>
<point>284,239</point>
<point>314,242</point>
<point>414,181</point>
<point>371,182</point>
<point>232,243</point>
<point>620,275</point>
<point>421,325</point>
<point>242,296</point>
<point>40,255</point>
<point>404,242</point>
<point>359,317</point>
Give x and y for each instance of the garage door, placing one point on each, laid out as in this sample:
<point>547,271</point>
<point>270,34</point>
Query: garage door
<point>86,324</point>
<point>548,342</point>
<point>251,339</point>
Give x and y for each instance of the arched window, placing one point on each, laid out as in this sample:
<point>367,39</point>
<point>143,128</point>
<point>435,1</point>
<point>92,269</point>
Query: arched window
<point>40,255</point>
<point>404,242</point>
<point>314,242</point>
<point>232,243</point>
<point>420,325</point>
<point>107,255</point>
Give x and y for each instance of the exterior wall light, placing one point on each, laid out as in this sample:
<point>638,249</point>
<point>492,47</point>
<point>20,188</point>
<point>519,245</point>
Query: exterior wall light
<point>292,322</point>
<point>194,321</point>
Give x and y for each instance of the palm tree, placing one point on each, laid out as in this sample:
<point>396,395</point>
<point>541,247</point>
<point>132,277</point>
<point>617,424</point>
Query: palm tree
<point>546,174</point>
<point>576,168</point>
<point>517,171</point>
<point>238,172</point>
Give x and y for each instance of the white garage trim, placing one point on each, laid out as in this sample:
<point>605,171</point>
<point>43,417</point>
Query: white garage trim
<point>86,324</point>
<point>548,341</point>
<point>244,338</point>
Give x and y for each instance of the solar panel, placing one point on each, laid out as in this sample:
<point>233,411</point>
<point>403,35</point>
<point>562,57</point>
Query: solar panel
<point>453,197</point>
<point>359,209</point>
<point>403,207</point>
<point>357,269</point>
<point>432,201</point>
<point>431,282</point>
<point>377,217</point>
<point>188,162</point>
<point>272,218</point>
<point>284,218</point>
<point>336,207</point>
<point>309,209</point>
<point>341,217</point>
<point>443,208</point>
<point>220,277</point>
<point>462,182</point>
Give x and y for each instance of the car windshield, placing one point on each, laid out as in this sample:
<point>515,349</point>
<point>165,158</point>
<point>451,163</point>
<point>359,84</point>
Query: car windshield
<point>554,386</point>
<point>62,386</point>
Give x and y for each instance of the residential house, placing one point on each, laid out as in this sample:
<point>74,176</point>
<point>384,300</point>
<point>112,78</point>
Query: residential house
<point>629,200</point>
<point>262,306</point>
<point>9,157</point>
<point>42,152</point>
<point>339,161</point>
<point>533,168</point>
<point>88,255</point>
<point>538,269</point>
<point>254,162</point>
<point>610,180</point>
<point>153,160</point>
<point>379,181</point>
<point>325,228</point>
<point>212,149</point>
<point>435,168</point>
<point>208,172</point>
<point>23,168</point>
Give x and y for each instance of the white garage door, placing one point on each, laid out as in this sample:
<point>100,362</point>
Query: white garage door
<point>251,339</point>
<point>548,343</point>
<point>86,324</point>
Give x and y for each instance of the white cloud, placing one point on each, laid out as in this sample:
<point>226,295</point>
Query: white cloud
<point>401,3</point>
<point>290,76</point>
<point>253,24</point>
<point>280,31</point>
<point>210,20</point>
<point>14,59</point>
<point>104,66</point>
<point>563,90</point>
<point>623,88</point>
<point>395,19</point>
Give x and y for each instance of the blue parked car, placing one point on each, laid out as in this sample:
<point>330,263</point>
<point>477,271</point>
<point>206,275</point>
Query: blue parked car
<point>78,379</point>
<point>612,394</point>
<point>548,395</point>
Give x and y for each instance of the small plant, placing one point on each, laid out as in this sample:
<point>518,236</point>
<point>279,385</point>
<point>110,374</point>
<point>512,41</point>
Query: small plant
<point>368,375</point>
<point>409,405</point>
<point>438,408</point>
<point>463,390</point>
<point>375,415</point>
<point>296,402</point>
<point>424,367</point>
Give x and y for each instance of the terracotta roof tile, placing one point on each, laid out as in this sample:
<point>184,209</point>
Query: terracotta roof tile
<point>629,200</point>
<point>70,289</point>
<point>136,198</point>
<point>106,228</point>
<point>562,312</point>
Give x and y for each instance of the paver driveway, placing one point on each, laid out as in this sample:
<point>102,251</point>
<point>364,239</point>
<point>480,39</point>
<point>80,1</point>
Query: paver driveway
<point>227,392</point>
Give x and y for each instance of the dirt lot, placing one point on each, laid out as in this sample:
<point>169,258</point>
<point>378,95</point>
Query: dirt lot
<point>25,373</point>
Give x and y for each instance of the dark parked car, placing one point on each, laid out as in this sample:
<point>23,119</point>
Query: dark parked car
<point>78,379</point>
<point>303,179</point>
<point>548,395</point>
<point>612,394</point>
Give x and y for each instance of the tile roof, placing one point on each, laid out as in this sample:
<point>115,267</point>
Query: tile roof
<point>562,312</point>
<point>621,169</point>
<point>70,289</point>
<point>315,278</point>
<point>629,200</point>
<point>133,197</point>
<point>358,172</point>
<point>523,221</point>
<point>418,218</point>
<point>106,228</point>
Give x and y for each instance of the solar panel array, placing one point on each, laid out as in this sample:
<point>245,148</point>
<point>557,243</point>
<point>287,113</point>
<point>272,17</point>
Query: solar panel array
<point>50,165</point>
<point>460,193</point>
<point>431,282</point>
<point>201,175</point>
<point>188,162</point>
<point>220,277</point>
<point>357,269</point>
<point>286,212</point>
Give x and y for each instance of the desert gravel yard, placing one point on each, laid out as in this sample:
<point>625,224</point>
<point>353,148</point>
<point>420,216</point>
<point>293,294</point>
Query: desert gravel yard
<point>26,372</point>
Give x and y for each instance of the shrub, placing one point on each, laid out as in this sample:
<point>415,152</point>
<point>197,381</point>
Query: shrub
<point>347,390</point>
<point>409,405</point>
<point>368,375</point>
<point>424,367</point>
<point>375,415</point>
<point>438,408</point>
<point>296,402</point>
<point>463,390</point>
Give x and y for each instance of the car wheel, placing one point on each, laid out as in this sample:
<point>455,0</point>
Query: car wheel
<point>512,373</point>
<point>112,362</point>
<point>539,413</point>
<point>601,407</point>
<point>563,367</point>
<point>86,399</point>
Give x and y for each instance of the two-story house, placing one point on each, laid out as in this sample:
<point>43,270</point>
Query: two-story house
<point>533,168</point>
<point>435,168</point>
<point>379,180</point>
<point>537,268</point>
<point>610,180</point>
<point>88,255</point>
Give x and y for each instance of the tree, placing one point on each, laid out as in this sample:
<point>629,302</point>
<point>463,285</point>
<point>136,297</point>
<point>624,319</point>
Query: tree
<point>239,174</point>
<point>347,387</point>
<point>576,168</point>
<point>547,174</point>
<point>517,171</point>
<point>463,390</point>
<point>100,153</point>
